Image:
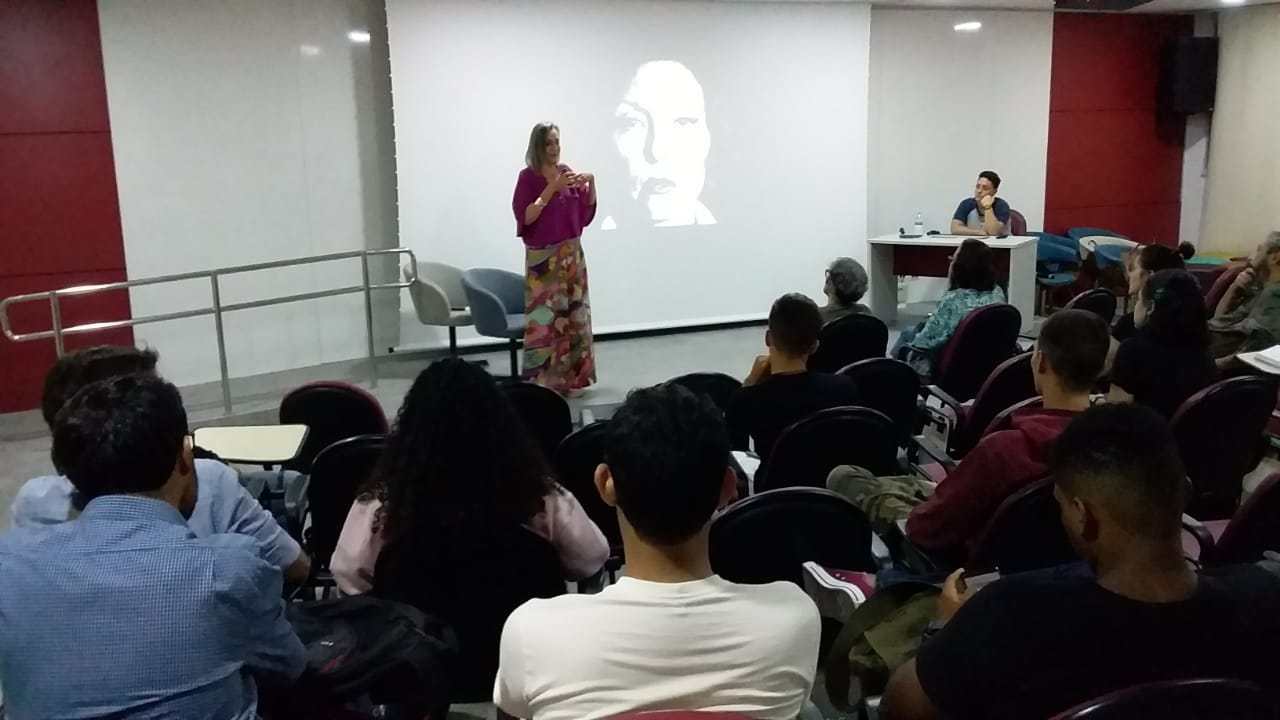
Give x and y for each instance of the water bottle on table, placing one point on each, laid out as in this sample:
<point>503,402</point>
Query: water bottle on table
<point>918,228</point>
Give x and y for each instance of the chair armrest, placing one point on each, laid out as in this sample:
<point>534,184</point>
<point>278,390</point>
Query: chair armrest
<point>943,396</point>
<point>1203,537</point>
<point>912,557</point>
<point>935,453</point>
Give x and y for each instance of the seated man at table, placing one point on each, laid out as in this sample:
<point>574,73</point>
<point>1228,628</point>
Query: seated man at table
<point>222,506</point>
<point>780,390</point>
<point>1248,316</point>
<point>671,634</point>
<point>125,612</point>
<point>984,213</point>
<point>945,522</point>
<point>1034,644</point>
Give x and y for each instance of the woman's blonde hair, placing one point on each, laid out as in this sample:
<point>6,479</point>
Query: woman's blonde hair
<point>536,155</point>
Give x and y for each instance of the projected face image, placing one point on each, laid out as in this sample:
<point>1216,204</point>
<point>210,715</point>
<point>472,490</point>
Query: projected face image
<point>661,133</point>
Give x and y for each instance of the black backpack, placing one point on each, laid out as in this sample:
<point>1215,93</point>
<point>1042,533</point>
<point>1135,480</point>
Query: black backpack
<point>361,646</point>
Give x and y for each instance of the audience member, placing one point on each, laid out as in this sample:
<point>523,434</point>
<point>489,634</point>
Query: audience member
<point>222,506</point>
<point>458,447</point>
<point>1143,262</point>
<point>448,511</point>
<point>670,634</point>
<point>780,389</point>
<point>1168,360</point>
<point>1031,645</point>
<point>973,285</point>
<point>845,285</point>
<point>1248,316</point>
<point>945,521</point>
<point>125,612</point>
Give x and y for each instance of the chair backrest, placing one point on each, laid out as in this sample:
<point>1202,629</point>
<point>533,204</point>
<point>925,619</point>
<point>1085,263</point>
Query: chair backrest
<point>336,476</point>
<point>1219,432</point>
<point>1057,249</point>
<point>769,536</point>
<point>1099,301</point>
<point>847,340</point>
<point>1254,529</point>
<point>890,386</point>
<point>985,338</point>
<point>430,301</point>
<point>1188,699</point>
<point>1004,419</point>
<point>1077,233</point>
<point>1024,533</point>
<point>448,278</point>
<point>1219,287</point>
<point>545,414</point>
<point>809,449</point>
<point>717,386</point>
<point>493,294</point>
<point>1009,384</point>
<point>332,411</point>
<point>1017,223</point>
<point>473,584</point>
<point>575,463</point>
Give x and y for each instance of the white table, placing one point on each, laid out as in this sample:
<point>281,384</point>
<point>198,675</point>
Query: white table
<point>882,250</point>
<point>253,444</point>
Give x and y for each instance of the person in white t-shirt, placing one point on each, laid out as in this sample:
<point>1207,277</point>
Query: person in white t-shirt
<point>671,634</point>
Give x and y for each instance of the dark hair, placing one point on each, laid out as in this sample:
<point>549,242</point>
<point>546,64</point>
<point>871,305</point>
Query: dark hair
<point>457,462</point>
<point>74,371</point>
<point>1075,344</point>
<point>667,449</point>
<point>974,267</point>
<point>1176,314</point>
<point>120,435</point>
<point>1154,258</point>
<point>794,324</point>
<point>1124,457</point>
<point>536,154</point>
<point>992,176</point>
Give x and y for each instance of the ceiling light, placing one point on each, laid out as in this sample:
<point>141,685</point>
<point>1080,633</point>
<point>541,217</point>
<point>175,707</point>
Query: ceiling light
<point>309,50</point>
<point>971,26</point>
<point>1233,2</point>
<point>359,36</point>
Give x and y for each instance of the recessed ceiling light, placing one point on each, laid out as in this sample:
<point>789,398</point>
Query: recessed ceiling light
<point>1233,2</point>
<point>359,36</point>
<point>309,50</point>
<point>971,26</point>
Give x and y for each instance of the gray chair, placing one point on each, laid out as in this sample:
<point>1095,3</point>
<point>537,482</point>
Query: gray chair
<point>438,298</point>
<point>496,298</point>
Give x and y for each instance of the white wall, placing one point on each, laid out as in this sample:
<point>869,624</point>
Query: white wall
<point>946,105</point>
<point>1243,190</point>
<point>1195,155</point>
<point>785,90</point>
<point>245,132</point>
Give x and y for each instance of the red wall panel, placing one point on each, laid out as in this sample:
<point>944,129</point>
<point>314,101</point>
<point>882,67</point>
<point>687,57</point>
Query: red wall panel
<point>51,67</point>
<point>1113,160</point>
<point>59,212</point>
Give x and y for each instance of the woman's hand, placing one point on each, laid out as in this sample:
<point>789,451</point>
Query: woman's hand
<point>563,180</point>
<point>585,180</point>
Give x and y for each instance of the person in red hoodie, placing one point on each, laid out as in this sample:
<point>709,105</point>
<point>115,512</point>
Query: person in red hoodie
<point>944,521</point>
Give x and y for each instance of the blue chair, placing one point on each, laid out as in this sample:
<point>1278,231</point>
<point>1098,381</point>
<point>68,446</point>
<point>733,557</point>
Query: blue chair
<point>1076,233</point>
<point>496,298</point>
<point>1057,264</point>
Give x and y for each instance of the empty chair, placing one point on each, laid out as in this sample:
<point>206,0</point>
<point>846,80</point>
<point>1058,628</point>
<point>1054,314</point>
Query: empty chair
<point>496,298</point>
<point>847,340</point>
<point>1011,382</point>
<point>545,414</point>
<point>717,386</point>
<point>1219,432</point>
<point>890,386</point>
<point>768,537</point>
<point>1025,533</point>
<point>332,411</point>
<point>985,338</point>
<point>1099,301</point>
<point>808,450</point>
<point>1192,699</point>
<point>336,476</point>
<point>439,299</point>
<point>1017,223</point>
<point>1057,265</point>
<point>1252,531</point>
<point>1079,233</point>
<point>575,464</point>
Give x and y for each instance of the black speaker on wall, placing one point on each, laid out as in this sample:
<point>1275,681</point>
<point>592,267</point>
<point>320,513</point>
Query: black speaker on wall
<point>1188,75</point>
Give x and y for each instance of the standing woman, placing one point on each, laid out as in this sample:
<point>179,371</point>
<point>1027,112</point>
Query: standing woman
<point>552,204</point>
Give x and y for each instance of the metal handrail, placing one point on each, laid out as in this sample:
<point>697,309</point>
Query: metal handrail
<point>58,332</point>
